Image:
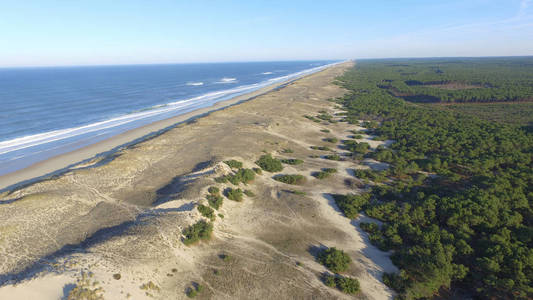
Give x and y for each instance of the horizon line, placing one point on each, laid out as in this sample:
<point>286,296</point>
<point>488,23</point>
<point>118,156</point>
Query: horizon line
<point>254,61</point>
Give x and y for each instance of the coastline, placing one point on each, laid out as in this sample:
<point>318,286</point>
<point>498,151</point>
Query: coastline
<point>63,162</point>
<point>116,224</point>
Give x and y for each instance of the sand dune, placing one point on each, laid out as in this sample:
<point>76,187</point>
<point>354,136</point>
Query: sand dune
<point>123,214</point>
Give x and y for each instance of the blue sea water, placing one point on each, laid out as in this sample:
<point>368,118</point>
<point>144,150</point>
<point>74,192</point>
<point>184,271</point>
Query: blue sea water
<point>49,111</point>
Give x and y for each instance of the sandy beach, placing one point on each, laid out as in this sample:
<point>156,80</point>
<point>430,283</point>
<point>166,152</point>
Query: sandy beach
<point>112,224</point>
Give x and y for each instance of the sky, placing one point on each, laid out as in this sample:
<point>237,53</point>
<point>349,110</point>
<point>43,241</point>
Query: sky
<point>101,32</point>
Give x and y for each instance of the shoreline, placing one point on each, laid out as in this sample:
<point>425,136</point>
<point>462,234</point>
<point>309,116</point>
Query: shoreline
<point>64,162</point>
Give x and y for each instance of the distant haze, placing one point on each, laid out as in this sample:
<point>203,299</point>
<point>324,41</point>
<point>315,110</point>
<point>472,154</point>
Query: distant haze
<point>45,33</point>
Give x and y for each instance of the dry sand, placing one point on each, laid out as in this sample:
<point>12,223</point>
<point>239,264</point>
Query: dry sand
<point>124,213</point>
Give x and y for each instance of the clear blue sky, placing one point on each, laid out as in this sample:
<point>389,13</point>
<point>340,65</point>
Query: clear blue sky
<point>67,32</point>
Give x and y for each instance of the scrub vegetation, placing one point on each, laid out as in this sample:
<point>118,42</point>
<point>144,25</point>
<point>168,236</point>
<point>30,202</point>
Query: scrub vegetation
<point>456,202</point>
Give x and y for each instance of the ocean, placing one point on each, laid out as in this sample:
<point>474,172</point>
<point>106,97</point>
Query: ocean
<point>53,110</point>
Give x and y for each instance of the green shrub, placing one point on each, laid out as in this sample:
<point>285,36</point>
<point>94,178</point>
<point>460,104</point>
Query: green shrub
<point>201,230</point>
<point>221,179</point>
<point>234,164</point>
<point>287,150</point>
<point>333,157</point>
<point>215,201</point>
<point>331,140</point>
<point>301,193</point>
<point>329,280</point>
<point>191,293</point>
<point>329,170</point>
<point>213,190</point>
<point>325,130</point>
<point>323,148</point>
<point>258,171</point>
<point>325,117</point>
<point>221,216</point>
<point>269,164</point>
<point>344,284</point>
<point>292,161</point>
<point>351,204</point>
<point>249,193</point>
<point>291,179</point>
<point>369,227</point>
<point>357,136</point>
<point>234,194</point>
<point>348,285</point>
<point>206,211</point>
<point>321,175</point>
<point>334,259</point>
<point>242,175</point>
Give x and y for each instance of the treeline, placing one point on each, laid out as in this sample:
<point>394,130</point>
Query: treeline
<point>456,203</point>
<point>454,80</point>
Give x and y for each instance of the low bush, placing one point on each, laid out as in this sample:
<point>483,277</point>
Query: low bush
<point>301,193</point>
<point>258,171</point>
<point>323,148</point>
<point>325,130</point>
<point>369,227</point>
<point>333,157</point>
<point>206,211</point>
<point>213,190</point>
<point>331,140</point>
<point>234,164</point>
<point>201,230</point>
<point>351,204</point>
<point>234,194</point>
<point>291,179</point>
<point>348,285</point>
<point>287,150</point>
<point>344,284</point>
<point>376,176</point>
<point>357,136</point>
<point>242,175</point>
<point>329,170</point>
<point>292,161</point>
<point>249,193</point>
<point>334,259</point>
<point>221,179</point>
<point>321,175</point>
<point>215,201</point>
<point>269,164</point>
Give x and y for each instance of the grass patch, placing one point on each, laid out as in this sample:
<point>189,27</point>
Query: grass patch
<point>334,259</point>
<point>292,161</point>
<point>287,150</point>
<point>206,211</point>
<point>234,194</point>
<point>269,164</point>
<point>291,179</point>
<point>234,164</point>
<point>201,230</point>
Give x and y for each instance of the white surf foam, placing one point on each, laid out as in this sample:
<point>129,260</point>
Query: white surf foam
<point>227,80</point>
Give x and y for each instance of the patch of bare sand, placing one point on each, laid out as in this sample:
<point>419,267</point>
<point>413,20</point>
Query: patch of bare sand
<point>125,216</point>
